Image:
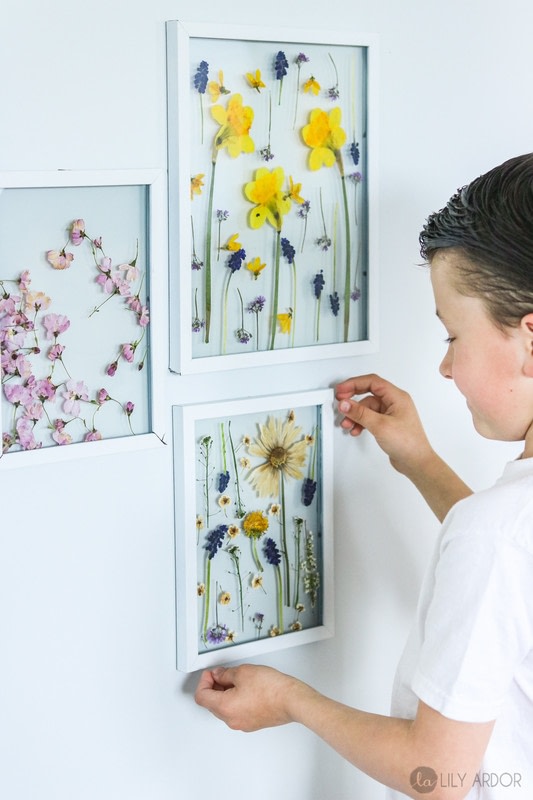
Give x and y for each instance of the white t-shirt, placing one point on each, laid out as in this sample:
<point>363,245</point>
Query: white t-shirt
<point>470,652</point>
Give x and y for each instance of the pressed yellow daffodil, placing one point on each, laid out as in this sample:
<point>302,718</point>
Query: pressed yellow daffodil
<point>294,191</point>
<point>235,122</point>
<point>215,88</point>
<point>233,243</point>
<point>255,80</point>
<point>285,321</point>
<point>312,86</point>
<point>325,137</point>
<point>270,201</point>
<point>255,266</point>
<point>197,183</point>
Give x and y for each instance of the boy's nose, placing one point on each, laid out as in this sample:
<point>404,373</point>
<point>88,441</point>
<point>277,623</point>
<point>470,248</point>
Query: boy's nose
<point>445,367</point>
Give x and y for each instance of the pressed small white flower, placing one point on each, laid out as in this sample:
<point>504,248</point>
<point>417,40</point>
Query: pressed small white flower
<point>224,501</point>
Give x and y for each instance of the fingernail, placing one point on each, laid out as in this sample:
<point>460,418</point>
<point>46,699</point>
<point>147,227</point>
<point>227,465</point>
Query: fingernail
<point>344,406</point>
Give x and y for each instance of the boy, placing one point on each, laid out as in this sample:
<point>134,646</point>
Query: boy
<point>463,695</point>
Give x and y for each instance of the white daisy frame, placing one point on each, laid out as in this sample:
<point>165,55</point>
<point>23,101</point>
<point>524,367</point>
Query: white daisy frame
<point>224,612</point>
<point>127,208</point>
<point>230,335</point>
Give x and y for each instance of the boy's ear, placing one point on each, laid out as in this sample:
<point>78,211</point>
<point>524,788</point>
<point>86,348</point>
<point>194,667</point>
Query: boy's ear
<point>526,326</point>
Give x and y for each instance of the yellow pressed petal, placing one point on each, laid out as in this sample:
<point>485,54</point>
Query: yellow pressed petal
<point>257,216</point>
<point>321,157</point>
<point>285,322</point>
<point>219,114</point>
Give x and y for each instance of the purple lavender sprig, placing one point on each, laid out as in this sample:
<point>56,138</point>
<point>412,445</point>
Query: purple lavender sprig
<point>200,84</point>
<point>281,66</point>
<point>273,556</point>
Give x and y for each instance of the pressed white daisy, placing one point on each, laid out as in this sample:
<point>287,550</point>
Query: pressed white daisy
<point>283,452</point>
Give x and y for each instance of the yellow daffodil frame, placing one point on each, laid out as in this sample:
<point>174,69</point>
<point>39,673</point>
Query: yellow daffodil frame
<point>39,211</point>
<point>272,143</point>
<point>232,524</point>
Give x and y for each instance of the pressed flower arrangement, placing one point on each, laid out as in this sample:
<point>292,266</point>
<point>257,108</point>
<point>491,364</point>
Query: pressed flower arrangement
<point>277,153</point>
<point>75,319</point>
<point>252,524</point>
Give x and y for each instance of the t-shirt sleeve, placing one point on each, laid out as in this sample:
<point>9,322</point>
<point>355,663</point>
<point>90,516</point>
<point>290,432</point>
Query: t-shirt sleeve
<point>479,625</point>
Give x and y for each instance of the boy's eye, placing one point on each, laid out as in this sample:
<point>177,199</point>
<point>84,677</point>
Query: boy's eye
<point>449,340</point>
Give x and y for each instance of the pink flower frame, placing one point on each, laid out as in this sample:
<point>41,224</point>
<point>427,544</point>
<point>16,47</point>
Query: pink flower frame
<point>83,313</point>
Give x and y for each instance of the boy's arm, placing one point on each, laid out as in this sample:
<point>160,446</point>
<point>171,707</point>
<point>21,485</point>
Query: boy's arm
<point>402,754</point>
<point>389,414</point>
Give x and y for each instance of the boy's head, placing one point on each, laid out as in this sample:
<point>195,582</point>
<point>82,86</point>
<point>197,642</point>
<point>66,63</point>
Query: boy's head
<point>489,223</point>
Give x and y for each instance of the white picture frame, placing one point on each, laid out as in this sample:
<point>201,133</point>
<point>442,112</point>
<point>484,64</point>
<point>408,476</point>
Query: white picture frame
<point>233,602</point>
<point>125,212</point>
<point>215,326</point>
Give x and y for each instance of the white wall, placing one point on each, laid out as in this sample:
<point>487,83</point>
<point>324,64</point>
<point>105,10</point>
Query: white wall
<point>90,703</point>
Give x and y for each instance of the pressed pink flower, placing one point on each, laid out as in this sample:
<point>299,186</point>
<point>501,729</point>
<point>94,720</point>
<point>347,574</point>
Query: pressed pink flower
<point>37,301</point>
<point>8,304</point>
<point>102,396</point>
<point>106,282</point>
<point>112,368</point>
<point>131,272</point>
<point>34,412</point>
<point>44,390</point>
<point>17,394</point>
<point>105,265</point>
<point>24,280</point>
<point>93,436</point>
<point>59,259</point>
<point>25,434</point>
<point>56,352</point>
<point>22,366</point>
<point>134,303</point>
<point>61,437</point>
<point>128,408</point>
<point>77,232</point>
<point>55,324</point>
<point>122,287</point>
<point>144,317</point>
<point>76,391</point>
<point>128,351</point>
<point>98,243</point>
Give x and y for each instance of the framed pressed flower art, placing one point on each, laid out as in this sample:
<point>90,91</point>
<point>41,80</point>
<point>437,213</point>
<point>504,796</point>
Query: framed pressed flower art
<point>82,313</point>
<point>272,196</point>
<point>253,517</point>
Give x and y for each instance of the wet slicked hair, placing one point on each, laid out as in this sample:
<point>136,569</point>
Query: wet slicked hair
<point>489,223</point>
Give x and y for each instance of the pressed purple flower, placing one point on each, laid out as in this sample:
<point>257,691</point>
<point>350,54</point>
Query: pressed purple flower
<point>288,250</point>
<point>355,295</point>
<point>304,209</point>
<point>271,552</point>
<point>318,283</point>
<point>223,480</point>
<point>243,336</point>
<point>333,93</point>
<point>257,305</point>
<point>215,539</point>
<point>308,491</point>
<point>235,260</point>
<point>301,58</point>
<point>196,263</point>
<point>356,177</point>
<point>335,303</point>
<point>324,242</point>
<point>197,324</point>
<point>266,153</point>
<point>281,65</point>
<point>201,76</point>
<point>222,215</point>
<point>217,634</point>
<point>354,152</point>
